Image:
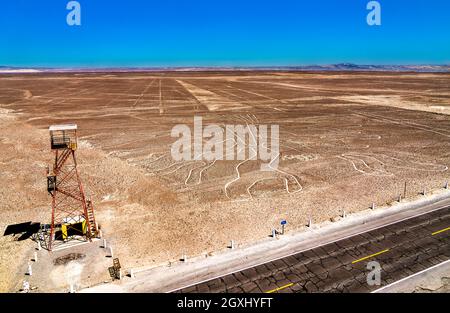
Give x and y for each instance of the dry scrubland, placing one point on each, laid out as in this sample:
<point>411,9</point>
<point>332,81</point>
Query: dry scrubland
<point>347,139</point>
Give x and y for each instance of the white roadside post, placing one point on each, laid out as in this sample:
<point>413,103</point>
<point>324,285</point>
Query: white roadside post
<point>104,243</point>
<point>344,214</point>
<point>132,273</point>
<point>99,232</point>
<point>232,244</point>
<point>446,185</point>
<point>39,246</point>
<point>30,270</point>
<point>35,257</point>
<point>72,289</point>
<point>111,253</point>
<point>274,233</point>
<point>373,206</point>
<point>310,223</point>
<point>25,286</point>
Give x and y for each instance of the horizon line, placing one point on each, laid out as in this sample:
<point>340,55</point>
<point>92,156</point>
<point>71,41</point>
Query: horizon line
<point>149,67</point>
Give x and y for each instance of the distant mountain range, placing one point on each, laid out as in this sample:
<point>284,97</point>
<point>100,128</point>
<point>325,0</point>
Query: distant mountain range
<point>394,68</point>
<point>331,67</point>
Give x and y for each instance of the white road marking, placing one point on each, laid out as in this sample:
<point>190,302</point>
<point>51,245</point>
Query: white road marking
<point>411,276</point>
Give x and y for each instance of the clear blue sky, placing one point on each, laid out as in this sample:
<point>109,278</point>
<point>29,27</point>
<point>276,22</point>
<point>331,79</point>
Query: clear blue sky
<point>223,33</point>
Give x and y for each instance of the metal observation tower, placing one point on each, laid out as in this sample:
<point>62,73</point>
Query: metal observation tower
<point>72,212</point>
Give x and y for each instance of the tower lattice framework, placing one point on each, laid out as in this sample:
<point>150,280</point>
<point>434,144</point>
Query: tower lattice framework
<point>72,212</point>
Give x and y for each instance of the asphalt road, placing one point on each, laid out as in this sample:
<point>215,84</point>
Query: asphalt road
<point>401,249</point>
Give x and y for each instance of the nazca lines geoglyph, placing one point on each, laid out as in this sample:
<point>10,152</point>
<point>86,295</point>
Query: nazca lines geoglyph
<point>196,170</point>
<point>376,164</point>
<point>370,164</point>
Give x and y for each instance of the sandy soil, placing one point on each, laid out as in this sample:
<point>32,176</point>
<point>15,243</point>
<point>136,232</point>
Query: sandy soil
<point>347,140</point>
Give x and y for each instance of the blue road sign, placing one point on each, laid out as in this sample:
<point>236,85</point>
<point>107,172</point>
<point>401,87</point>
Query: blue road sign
<point>283,222</point>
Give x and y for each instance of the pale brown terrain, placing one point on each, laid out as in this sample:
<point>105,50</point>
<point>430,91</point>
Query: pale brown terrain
<point>346,140</point>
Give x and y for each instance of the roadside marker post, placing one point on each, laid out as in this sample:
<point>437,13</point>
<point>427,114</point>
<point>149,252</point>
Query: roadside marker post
<point>25,287</point>
<point>35,258</point>
<point>30,270</point>
<point>446,185</point>
<point>99,233</point>
<point>274,233</point>
<point>283,225</point>
<point>373,206</point>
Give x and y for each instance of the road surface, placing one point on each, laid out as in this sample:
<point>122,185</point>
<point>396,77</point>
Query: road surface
<point>401,249</point>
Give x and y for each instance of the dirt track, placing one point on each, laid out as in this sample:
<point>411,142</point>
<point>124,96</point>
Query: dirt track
<point>347,140</point>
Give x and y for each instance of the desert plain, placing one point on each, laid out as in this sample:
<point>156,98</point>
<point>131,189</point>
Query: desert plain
<point>347,140</point>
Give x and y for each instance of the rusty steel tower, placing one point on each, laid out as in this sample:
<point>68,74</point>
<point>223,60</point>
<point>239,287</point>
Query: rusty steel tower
<point>72,212</point>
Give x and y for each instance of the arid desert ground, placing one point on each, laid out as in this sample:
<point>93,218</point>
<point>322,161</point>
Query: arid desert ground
<point>347,139</point>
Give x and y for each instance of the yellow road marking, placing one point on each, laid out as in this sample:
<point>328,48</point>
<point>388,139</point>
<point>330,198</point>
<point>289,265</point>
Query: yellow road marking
<point>280,288</point>
<point>370,256</point>
<point>440,231</point>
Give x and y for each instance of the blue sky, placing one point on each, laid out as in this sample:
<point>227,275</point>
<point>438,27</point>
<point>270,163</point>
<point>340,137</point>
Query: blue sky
<point>222,33</point>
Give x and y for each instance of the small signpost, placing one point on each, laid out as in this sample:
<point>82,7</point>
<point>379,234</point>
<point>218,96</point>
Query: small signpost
<point>114,271</point>
<point>283,225</point>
